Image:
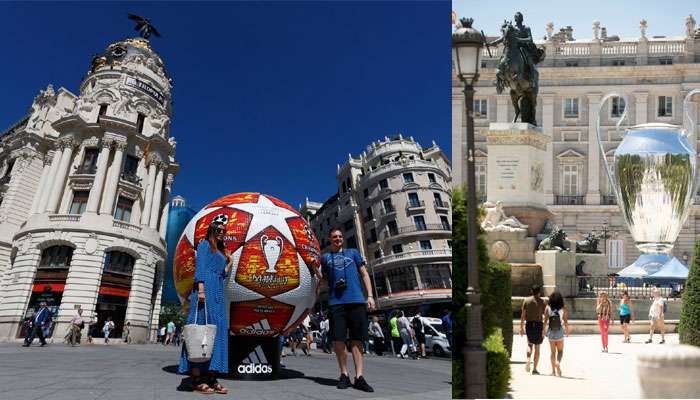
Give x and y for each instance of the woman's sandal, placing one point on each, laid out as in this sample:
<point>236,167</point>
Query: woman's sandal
<point>216,386</point>
<point>199,386</point>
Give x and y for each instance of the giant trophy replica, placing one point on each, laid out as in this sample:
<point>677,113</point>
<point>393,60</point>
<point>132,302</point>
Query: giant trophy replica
<point>654,176</point>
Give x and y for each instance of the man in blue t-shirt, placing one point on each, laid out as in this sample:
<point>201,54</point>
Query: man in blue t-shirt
<point>346,272</point>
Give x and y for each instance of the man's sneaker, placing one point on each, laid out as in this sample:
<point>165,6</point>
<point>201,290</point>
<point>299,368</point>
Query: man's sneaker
<point>344,382</point>
<point>361,384</point>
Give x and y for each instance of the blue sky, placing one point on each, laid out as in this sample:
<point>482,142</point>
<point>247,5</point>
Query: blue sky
<point>268,96</point>
<point>620,17</point>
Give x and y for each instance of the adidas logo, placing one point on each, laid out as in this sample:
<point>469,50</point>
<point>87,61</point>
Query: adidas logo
<point>261,328</point>
<point>255,363</point>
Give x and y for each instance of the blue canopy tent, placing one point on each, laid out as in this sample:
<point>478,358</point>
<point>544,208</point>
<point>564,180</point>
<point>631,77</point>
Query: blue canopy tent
<point>672,271</point>
<point>644,266</point>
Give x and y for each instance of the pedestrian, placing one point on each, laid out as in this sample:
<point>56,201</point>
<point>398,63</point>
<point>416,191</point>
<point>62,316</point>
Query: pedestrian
<point>556,324</point>
<point>325,342</point>
<point>162,334</point>
<point>27,328</point>
<point>447,325</point>
<point>656,315</point>
<point>76,325</point>
<point>345,271</point>
<point>626,315</point>
<point>307,330</point>
<point>170,330</point>
<point>107,329</point>
<point>395,335</point>
<point>377,335</point>
<point>212,265</point>
<point>531,317</point>
<point>126,335</point>
<point>40,319</point>
<point>604,314</point>
<point>178,334</point>
<point>419,331</point>
<point>92,327</point>
<point>406,332</point>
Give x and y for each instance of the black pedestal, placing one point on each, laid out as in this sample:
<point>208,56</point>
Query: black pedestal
<point>253,358</point>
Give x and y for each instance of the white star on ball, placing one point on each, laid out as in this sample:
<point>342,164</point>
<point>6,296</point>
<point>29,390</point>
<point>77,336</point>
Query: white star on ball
<point>266,213</point>
<point>291,297</point>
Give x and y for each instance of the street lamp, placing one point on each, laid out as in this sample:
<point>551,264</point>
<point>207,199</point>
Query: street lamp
<point>466,56</point>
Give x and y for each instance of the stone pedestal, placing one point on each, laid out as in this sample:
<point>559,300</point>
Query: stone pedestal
<point>558,271</point>
<point>522,277</point>
<point>517,154</point>
<point>511,246</point>
<point>669,372</point>
<point>596,264</point>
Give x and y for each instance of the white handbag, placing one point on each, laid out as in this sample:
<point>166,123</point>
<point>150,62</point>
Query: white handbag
<point>199,339</point>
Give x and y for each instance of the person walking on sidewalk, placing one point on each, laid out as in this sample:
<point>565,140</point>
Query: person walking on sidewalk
<point>626,315</point>
<point>531,316</point>
<point>406,332</point>
<point>41,319</point>
<point>325,342</point>
<point>656,315</point>
<point>605,317</point>
<point>556,324</point>
<point>345,271</point>
<point>395,335</point>
<point>419,331</point>
<point>107,329</point>
<point>378,336</point>
<point>76,325</point>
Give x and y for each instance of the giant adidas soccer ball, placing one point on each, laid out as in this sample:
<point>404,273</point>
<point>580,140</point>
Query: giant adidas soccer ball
<point>272,286</point>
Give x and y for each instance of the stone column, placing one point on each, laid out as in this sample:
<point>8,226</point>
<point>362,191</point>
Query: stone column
<point>640,105</point>
<point>18,289</point>
<point>100,175</point>
<point>42,182</point>
<point>166,210</point>
<point>151,162</point>
<point>593,193</point>
<point>459,141</point>
<point>61,174</point>
<point>138,310</point>
<point>502,102</point>
<point>113,180</point>
<point>155,311</point>
<point>157,195</point>
<point>548,129</point>
<point>44,200</point>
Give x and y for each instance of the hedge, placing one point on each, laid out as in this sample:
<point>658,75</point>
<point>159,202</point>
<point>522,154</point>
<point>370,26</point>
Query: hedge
<point>497,366</point>
<point>689,325</point>
<point>495,298</point>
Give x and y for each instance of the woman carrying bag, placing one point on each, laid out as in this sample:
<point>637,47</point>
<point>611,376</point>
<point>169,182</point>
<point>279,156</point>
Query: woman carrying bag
<point>212,266</point>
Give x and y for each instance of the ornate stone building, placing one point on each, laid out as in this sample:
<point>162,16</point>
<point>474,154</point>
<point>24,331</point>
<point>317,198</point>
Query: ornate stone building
<point>84,185</point>
<point>654,72</point>
<point>394,205</point>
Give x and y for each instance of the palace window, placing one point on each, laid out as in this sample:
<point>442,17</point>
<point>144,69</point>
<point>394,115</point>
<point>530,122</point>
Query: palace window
<point>402,279</point>
<point>123,210</point>
<point>570,180</point>
<point>129,172</point>
<point>618,63</point>
<point>119,262</point>
<point>616,253</point>
<point>665,106</point>
<point>480,172</point>
<point>666,61</point>
<point>571,107</point>
<point>618,106</point>
<point>571,64</point>
<point>80,199</point>
<point>56,257</point>
<point>89,165</point>
<point>480,108</point>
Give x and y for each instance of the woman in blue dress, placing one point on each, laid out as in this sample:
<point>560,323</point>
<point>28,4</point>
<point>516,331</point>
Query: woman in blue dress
<point>212,266</point>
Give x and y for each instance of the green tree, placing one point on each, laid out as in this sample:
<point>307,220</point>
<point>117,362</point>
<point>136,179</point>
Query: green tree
<point>171,312</point>
<point>689,326</point>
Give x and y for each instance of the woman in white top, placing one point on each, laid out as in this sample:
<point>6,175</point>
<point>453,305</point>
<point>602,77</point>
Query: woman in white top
<point>656,316</point>
<point>378,336</point>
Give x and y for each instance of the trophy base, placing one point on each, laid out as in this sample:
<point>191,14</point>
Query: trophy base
<point>654,247</point>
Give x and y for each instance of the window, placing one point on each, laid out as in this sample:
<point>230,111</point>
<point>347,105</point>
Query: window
<point>435,276</point>
<point>665,106</point>
<point>383,184</point>
<point>419,221</point>
<point>425,245</point>
<point>438,200</point>
<point>365,193</point>
<point>80,199</point>
<point>571,107</point>
<point>408,177</point>
<point>445,223</point>
<point>56,257</point>
<point>347,225</point>
<point>397,248</point>
<point>480,170</point>
<point>393,228</point>
<point>616,253</point>
<point>123,210</point>
<point>402,279</point>
<point>129,172</point>
<point>388,207</point>
<point>431,178</point>
<point>413,200</point>
<point>570,180</point>
<point>139,122</point>
<point>480,108</point>
<point>89,165</point>
<point>373,235</point>
<point>571,63</point>
<point>665,61</point>
<point>618,63</point>
<point>369,215</point>
<point>618,106</point>
<point>103,111</point>
<point>119,262</point>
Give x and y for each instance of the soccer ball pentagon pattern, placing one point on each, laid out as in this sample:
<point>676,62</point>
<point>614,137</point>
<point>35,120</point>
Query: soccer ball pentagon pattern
<point>272,286</point>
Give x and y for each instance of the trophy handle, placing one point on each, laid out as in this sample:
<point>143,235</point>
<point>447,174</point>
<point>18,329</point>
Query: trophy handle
<point>617,129</point>
<point>686,114</point>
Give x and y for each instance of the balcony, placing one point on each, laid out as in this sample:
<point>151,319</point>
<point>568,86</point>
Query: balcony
<point>387,210</point>
<point>400,166</point>
<point>85,170</point>
<point>415,205</point>
<point>441,206</point>
<point>412,255</point>
<point>131,178</point>
<point>418,228</point>
<point>64,218</point>
<point>568,200</point>
<point>126,226</point>
<point>608,200</point>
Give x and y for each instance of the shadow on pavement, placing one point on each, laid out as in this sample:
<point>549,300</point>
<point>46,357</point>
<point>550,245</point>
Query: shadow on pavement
<point>285,373</point>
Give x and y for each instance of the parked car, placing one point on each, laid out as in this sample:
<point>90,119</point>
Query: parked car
<point>435,338</point>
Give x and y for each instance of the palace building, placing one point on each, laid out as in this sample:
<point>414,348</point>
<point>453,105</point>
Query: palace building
<point>653,72</point>
<point>84,186</point>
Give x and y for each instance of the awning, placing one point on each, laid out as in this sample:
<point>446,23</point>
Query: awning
<point>645,265</point>
<point>673,270</point>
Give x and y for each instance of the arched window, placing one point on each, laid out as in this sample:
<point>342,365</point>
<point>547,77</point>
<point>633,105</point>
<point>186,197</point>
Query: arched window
<point>119,262</point>
<point>56,257</point>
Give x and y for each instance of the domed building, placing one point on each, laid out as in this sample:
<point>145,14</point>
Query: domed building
<point>84,187</point>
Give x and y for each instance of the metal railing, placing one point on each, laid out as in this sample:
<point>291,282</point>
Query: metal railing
<point>415,204</point>
<point>424,227</point>
<point>64,217</point>
<point>608,200</point>
<point>568,200</point>
<point>413,254</point>
<point>441,204</point>
<point>591,286</point>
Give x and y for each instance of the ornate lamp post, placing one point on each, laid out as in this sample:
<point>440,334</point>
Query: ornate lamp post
<point>466,56</point>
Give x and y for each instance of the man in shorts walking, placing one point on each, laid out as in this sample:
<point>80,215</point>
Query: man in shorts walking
<point>531,316</point>
<point>346,273</point>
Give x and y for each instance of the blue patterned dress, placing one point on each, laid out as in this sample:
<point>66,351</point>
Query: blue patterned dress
<point>210,269</point>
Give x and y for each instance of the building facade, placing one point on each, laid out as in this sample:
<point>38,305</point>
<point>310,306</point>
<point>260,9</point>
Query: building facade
<point>394,205</point>
<point>85,181</point>
<point>178,218</point>
<point>654,72</point>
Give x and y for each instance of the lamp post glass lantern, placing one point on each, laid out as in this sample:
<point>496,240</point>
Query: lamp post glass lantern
<point>466,56</point>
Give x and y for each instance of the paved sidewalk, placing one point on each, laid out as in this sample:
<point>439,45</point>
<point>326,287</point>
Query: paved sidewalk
<point>137,372</point>
<point>586,371</point>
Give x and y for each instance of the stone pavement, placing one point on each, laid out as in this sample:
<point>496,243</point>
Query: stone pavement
<point>586,371</point>
<point>137,372</point>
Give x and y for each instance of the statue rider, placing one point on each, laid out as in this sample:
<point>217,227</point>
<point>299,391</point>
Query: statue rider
<point>528,50</point>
